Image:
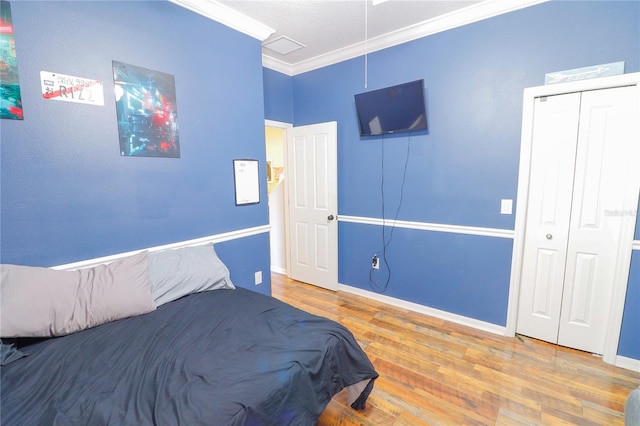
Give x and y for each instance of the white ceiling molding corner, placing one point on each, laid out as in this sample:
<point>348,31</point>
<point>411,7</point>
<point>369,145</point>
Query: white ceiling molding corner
<point>277,65</point>
<point>478,12</point>
<point>227,16</point>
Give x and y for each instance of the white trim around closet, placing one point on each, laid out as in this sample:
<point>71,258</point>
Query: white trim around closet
<point>615,322</point>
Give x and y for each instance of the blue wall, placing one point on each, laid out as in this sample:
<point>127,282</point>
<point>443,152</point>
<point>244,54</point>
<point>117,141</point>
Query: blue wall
<point>630,334</point>
<point>68,195</point>
<point>278,96</point>
<point>460,168</point>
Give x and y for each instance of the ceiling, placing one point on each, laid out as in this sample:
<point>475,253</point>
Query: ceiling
<point>330,31</point>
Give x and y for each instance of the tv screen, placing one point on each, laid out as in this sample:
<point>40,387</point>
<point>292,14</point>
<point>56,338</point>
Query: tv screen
<point>399,108</point>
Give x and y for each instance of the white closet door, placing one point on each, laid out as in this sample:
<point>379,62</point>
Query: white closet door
<point>607,133</point>
<point>554,137</point>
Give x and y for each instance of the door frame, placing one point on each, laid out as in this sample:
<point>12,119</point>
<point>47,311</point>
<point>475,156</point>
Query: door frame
<point>287,232</point>
<point>622,268</point>
<point>285,126</point>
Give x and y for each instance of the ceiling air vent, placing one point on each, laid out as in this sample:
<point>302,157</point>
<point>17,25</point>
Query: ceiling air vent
<point>283,45</point>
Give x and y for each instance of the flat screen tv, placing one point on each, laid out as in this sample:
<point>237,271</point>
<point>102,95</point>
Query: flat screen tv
<point>394,109</point>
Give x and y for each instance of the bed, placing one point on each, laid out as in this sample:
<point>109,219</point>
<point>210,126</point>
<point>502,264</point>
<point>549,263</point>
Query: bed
<point>203,354</point>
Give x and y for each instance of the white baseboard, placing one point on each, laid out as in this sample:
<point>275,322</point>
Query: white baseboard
<point>621,361</point>
<point>211,239</point>
<point>628,363</point>
<point>415,307</point>
<point>278,270</point>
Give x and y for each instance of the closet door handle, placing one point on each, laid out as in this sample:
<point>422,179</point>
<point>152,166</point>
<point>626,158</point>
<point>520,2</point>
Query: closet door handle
<point>330,217</point>
<point>549,237</point>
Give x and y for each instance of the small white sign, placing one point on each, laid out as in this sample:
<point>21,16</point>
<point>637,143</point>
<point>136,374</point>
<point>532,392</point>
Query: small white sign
<point>60,87</point>
<point>604,70</point>
<point>246,181</point>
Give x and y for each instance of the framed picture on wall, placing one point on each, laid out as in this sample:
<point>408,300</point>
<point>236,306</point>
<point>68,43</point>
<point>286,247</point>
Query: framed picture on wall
<point>147,112</point>
<point>10,95</point>
<point>247,182</point>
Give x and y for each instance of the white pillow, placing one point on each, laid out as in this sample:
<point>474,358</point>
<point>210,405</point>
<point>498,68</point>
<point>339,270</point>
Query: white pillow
<point>179,272</point>
<point>43,302</point>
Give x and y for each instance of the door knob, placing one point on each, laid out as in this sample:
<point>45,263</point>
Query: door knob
<point>330,217</point>
<point>549,236</point>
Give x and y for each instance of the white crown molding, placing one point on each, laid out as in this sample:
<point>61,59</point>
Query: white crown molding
<point>468,15</point>
<point>277,65</point>
<point>227,16</point>
<point>425,226</point>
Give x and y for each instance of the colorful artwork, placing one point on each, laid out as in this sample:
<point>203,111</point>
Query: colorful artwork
<point>10,98</point>
<point>147,112</point>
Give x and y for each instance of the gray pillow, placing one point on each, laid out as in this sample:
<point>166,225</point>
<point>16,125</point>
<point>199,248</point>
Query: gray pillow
<point>43,302</point>
<point>179,272</point>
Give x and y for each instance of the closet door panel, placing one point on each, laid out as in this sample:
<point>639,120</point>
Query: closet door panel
<point>553,153</point>
<point>603,162</point>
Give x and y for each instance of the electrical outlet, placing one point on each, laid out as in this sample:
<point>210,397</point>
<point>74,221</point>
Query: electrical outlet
<point>375,262</point>
<point>258,277</point>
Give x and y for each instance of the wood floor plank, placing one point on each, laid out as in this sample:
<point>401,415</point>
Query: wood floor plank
<point>523,410</point>
<point>603,415</point>
<point>434,372</point>
<point>508,418</point>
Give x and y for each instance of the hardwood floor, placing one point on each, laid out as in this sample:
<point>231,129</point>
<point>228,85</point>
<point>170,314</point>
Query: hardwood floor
<point>436,372</point>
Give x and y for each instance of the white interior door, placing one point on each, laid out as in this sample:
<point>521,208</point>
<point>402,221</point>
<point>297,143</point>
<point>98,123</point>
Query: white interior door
<point>554,137</point>
<point>577,235</point>
<point>606,139</point>
<point>313,204</point>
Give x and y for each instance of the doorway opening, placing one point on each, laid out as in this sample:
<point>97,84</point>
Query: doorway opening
<point>275,134</point>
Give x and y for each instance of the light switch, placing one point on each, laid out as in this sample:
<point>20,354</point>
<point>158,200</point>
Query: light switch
<point>506,206</point>
<point>258,277</point>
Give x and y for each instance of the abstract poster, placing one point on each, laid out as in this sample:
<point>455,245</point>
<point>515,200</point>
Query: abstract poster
<point>147,112</point>
<point>10,98</point>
